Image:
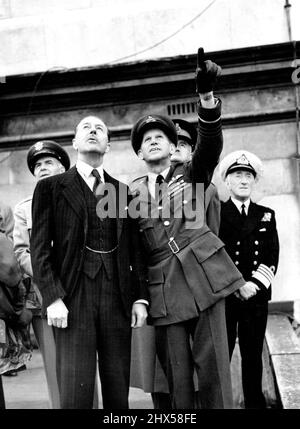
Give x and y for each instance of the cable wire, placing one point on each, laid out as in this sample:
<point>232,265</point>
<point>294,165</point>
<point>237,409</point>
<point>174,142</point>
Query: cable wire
<point>166,38</point>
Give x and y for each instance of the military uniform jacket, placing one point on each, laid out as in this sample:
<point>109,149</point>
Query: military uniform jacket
<point>252,245</point>
<point>21,236</point>
<point>188,268</point>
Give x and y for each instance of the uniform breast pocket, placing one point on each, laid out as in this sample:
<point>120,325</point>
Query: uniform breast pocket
<point>148,234</point>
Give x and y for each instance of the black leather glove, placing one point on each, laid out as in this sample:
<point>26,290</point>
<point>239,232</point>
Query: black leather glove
<point>207,73</point>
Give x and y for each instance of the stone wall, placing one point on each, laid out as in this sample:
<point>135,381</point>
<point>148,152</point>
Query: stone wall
<point>39,35</point>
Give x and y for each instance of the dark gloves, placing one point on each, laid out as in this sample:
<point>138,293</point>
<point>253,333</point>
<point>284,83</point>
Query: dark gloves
<point>207,73</point>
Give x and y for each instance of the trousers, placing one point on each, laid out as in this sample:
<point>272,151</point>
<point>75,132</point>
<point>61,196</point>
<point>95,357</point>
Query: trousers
<point>97,325</point>
<point>199,343</point>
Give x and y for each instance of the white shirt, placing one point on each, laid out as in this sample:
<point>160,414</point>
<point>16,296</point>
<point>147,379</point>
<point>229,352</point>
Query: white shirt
<point>238,204</point>
<point>152,180</point>
<point>85,171</point>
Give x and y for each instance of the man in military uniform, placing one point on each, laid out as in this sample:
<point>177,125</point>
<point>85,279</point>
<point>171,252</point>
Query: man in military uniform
<point>147,373</point>
<point>189,271</point>
<point>45,158</point>
<point>6,228</point>
<point>250,236</point>
<point>187,139</point>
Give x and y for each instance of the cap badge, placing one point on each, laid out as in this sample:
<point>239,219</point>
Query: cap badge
<point>178,129</point>
<point>243,160</point>
<point>150,119</point>
<point>39,145</point>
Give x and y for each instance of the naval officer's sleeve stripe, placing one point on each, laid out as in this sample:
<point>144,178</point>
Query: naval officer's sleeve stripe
<point>210,122</point>
<point>264,274</point>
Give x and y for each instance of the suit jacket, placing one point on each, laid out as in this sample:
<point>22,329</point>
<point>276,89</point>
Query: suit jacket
<point>188,267</point>
<point>58,240</point>
<point>252,245</point>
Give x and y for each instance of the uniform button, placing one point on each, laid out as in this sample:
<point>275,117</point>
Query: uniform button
<point>237,253</point>
<point>256,252</point>
<point>254,262</point>
<point>159,207</point>
<point>141,230</point>
<point>184,201</point>
<point>166,223</point>
<point>253,272</point>
<point>238,243</point>
<point>236,262</point>
<point>256,242</point>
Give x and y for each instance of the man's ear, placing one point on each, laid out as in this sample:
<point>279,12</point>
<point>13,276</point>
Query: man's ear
<point>227,182</point>
<point>107,147</point>
<point>172,148</point>
<point>74,144</point>
<point>140,154</point>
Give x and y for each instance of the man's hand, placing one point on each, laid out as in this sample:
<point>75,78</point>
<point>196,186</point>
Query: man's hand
<point>57,314</point>
<point>138,315</point>
<point>248,290</point>
<point>207,73</point>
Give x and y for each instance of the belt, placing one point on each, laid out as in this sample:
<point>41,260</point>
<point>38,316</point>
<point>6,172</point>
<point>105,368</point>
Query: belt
<point>102,251</point>
<point>170,248</point>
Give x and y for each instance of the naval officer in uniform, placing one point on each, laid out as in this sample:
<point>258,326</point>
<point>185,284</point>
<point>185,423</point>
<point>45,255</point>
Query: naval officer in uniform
<point>44,159</point>
<point>250,236</point>
<point>189,271</point>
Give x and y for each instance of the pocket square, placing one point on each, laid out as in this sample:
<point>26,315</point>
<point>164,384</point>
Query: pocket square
<point>262,229</point>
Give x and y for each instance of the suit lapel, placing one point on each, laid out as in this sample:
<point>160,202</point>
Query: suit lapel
<point>73,193</point>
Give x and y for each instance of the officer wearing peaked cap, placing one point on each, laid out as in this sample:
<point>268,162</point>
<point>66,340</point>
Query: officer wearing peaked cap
<point>149,122</point>
<point>250,236</point>
<point>187,139</point>
<point>47,148</point>
<point>187,297</point>
<point>45,158</point>
<point>152,379</point>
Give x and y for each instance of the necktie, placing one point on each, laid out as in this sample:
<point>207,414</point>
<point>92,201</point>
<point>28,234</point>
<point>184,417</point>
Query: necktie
<point>97,181</point>
<point>243,212</point>
<point>158,187</point>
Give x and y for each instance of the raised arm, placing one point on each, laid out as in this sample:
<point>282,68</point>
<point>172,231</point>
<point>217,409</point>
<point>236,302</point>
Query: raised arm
<point>210,139</point>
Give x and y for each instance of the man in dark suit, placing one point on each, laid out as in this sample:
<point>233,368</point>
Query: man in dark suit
<point>250,236</point>
<point>45,158</point>
<point>189,271</point>
<point>90,272</point>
